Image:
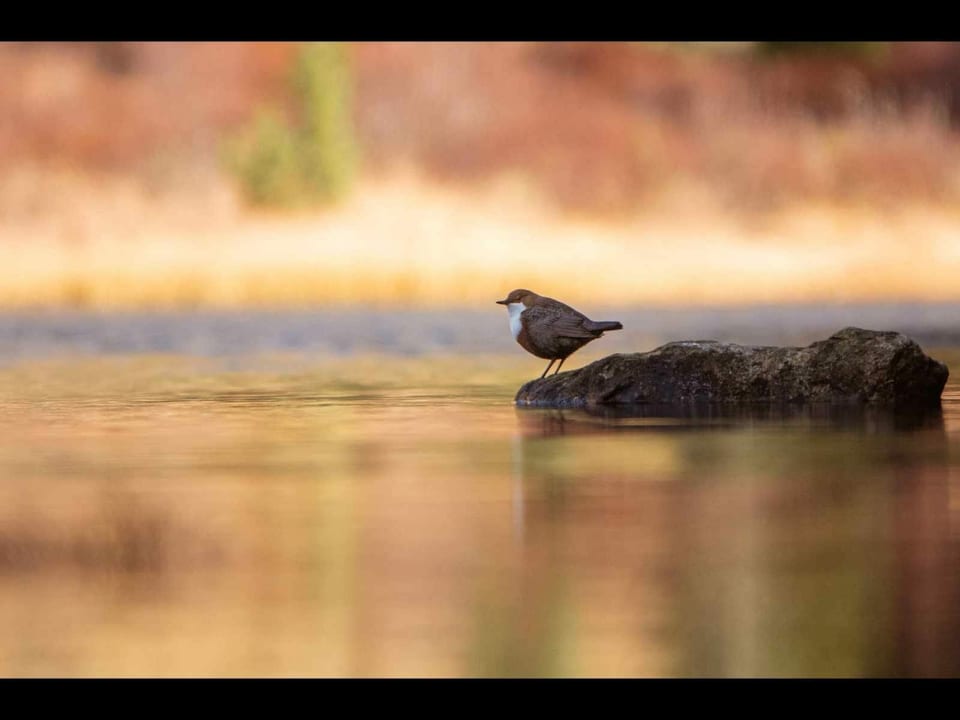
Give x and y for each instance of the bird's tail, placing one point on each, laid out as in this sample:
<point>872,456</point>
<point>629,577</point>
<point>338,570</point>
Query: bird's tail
<point>603,326</point>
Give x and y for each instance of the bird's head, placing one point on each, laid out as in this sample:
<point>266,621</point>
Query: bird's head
<point>518,296</point>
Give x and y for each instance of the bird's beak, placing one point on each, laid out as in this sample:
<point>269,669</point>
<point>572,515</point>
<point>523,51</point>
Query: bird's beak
<point>501,302</point>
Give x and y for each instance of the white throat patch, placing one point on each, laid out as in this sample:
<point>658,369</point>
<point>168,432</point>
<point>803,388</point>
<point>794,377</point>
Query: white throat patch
<point>515,310</point>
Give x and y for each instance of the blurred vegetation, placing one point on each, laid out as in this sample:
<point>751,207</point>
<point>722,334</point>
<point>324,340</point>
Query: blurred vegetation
<point>855,50</point>
<point>596,127</point>
<point>314,160</point>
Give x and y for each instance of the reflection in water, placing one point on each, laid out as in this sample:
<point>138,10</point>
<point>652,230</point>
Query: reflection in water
<point>699,415</point>
<point>796,540</point>
<point>162,517</point>
<point>518,477</point>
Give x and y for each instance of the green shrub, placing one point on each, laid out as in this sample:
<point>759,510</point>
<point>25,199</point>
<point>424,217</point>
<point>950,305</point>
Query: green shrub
<point>326,144</point>
<point>264,159</point>
<point>313,161</point>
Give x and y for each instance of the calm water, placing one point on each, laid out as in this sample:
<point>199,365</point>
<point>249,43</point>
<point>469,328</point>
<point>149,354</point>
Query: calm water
<point>270,495</point>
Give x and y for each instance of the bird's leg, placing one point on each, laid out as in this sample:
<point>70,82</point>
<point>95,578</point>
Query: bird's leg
<point>559,366</point>
<point>548,368</point>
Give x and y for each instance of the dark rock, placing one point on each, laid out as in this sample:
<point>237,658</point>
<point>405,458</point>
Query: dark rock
<point>852,366</point>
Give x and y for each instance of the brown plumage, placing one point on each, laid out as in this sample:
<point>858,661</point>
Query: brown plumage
<point>550,329</point>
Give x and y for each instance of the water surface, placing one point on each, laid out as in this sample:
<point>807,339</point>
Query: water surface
<point>278,508</point>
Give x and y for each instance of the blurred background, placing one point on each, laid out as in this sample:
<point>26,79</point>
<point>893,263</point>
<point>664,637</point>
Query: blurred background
<point>149,175</point>
<point>256,407</point>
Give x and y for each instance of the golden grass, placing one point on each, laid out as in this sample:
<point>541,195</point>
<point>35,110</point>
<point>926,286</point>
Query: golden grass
<point>400,240</point>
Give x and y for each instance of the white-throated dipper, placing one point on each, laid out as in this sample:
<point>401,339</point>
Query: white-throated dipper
<point>549,329</point>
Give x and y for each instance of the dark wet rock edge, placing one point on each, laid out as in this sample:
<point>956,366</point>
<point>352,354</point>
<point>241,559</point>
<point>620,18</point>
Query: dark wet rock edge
<point>853,366</point>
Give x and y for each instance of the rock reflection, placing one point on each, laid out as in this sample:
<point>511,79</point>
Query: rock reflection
<point>750,540</point>
<point>704,416</point>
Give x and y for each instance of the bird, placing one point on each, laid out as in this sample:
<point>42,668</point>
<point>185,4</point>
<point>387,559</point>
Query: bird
<point>550,329</point>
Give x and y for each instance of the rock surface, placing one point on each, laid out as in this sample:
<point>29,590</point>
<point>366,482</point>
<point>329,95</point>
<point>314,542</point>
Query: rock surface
<point>851,366</point>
